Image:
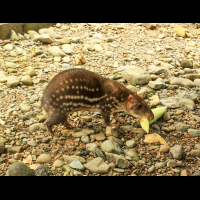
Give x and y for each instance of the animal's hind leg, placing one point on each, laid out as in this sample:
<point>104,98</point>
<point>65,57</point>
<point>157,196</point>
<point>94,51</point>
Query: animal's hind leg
<point>53,119</point>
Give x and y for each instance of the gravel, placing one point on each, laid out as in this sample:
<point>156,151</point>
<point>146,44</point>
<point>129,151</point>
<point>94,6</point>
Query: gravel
<point>169,63</point>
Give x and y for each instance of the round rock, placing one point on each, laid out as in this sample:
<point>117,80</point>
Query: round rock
<point>19,169</point>
<point>43,158</point>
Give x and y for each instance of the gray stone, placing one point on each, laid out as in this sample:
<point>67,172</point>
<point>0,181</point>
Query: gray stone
<point>75,40</point>
<point>97,165</point>
<point>37,152</point>
<point>66,59</point>
<point>181,127</point>
<point>85,139</point>
<point>98,137</point>
<point>194,132</point>
<point>111,132</point>
<point>68,50</point>
<point>45,38</point>
<point>159,165</point>
<point>118,160</point>
<point>152,69</point>
<point>17,156</point>
<point>64,41</point>
<point>99,153</point>
<point>56,51</point>
<point>188,103</point>
<point>84,132</point>
<point>2,147</point>
<point>14,149</point>
<point>136,75</point>
<point>133,154</point>
<point>177,152</point>
<point>10,65</point>
<point>70,159</point>
<point>170,103</point>
<point>76,164</point>
<point>31,143</point>
<point>23,136</point>
<point>98,47</point>
<point>8,47</point>
<point>43,170</point>
<point>186,63</point>
<point>181,81</point>
<point>151,169</point>
<point>14,36</point>
<point>195,153</point>
<point>91,146</point>
<point>110,147</point>
<point>156,85</point>
<point>24,107</point>
<point>172,163</point>
<point>43,158</point>
<point>166,116</point>
<point>36,127</point>
<point>50,32</point>
<point>13,81</point>
<point>31,72</point>
<point>130,143</point>
<point>197,82</point>
<point>32,33</point>
<point>19,169</point>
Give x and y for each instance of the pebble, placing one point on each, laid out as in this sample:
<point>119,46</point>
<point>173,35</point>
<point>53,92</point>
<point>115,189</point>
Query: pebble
<point>91,146</point>
<point>177,152</point>
<point>76,164</point>
<point>133,154</point>
<point>72,158</point>
<point>151,169</point>
<point>33,61</point>
<point>43,170</point>
<point>56,51</point>
<point>97,165</point>
<point>130,143</point>
<point>43,158</point>
<point>110,147</point>
<point>119,160</point>
<point>2,147</point>
<point>36,127</point>
<point>13,81</point>
<point>111,132</point>
<point>19,169</point>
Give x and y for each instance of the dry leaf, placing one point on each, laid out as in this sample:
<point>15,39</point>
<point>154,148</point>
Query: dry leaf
<point>154,137</point>
<point>34,166</point>
<point>27,160</point>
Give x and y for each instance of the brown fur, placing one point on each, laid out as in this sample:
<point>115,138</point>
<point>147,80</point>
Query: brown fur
<point>79,89</point>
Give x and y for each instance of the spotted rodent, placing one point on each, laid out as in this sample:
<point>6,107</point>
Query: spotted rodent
<point>78,89</point>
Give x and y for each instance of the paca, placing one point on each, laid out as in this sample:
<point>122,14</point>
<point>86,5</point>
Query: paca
<point>78,89</point>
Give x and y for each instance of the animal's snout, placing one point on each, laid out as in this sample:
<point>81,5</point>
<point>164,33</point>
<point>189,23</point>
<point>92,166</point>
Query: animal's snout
<point>150,116</point>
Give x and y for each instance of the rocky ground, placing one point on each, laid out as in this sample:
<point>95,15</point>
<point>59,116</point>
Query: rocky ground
<point>160,61</point>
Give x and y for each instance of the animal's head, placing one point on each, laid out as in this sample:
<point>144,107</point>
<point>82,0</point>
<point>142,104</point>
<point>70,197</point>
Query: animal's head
<point>137,107</point>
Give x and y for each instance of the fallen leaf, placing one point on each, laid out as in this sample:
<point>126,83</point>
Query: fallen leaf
<point>27,160</point>
<point>34,166</point>
<point>154,137</point>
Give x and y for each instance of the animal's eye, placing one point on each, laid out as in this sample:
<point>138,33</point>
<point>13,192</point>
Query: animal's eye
<point>139,106</point>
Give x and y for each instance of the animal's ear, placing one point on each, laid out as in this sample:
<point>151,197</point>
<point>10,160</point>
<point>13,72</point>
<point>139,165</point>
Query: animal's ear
<point>130,96</point>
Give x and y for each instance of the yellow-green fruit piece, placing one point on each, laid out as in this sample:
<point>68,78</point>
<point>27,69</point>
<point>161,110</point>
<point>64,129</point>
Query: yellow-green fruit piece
<point>144,122</point>
<point>158,112</point>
